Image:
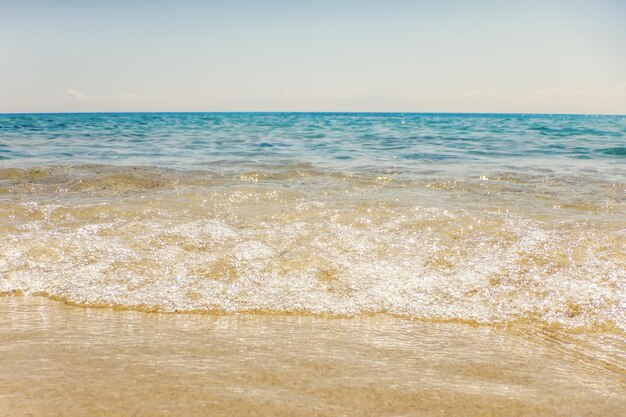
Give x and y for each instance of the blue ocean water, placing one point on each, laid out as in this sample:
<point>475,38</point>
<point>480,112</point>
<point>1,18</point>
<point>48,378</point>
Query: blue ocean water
<point>367,141</point>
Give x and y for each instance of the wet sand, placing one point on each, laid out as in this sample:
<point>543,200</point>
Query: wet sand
<point>60,360</point>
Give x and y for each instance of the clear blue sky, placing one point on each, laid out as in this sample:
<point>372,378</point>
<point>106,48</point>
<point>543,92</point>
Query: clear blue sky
<point>563,56</point>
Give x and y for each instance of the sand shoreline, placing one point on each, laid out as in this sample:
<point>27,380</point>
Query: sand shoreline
<point>63,360</point>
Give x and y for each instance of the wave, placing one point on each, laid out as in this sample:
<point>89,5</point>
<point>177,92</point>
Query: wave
<point>615,151</point>
<point>494,250</point>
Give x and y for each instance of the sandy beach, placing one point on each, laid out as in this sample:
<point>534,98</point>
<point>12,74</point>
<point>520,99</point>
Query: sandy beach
<point>312,265</point>
<point>60,360</point>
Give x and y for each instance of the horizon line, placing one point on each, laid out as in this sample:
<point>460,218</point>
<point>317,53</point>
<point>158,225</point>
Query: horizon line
<point>309,112</point>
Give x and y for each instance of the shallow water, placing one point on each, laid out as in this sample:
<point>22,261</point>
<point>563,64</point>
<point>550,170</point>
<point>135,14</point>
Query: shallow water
<point>485,250</point>
<point>445,225</point>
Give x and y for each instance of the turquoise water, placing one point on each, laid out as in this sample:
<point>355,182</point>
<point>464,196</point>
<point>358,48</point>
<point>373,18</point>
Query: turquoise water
<point>356,142</point>
<point>488,219</point>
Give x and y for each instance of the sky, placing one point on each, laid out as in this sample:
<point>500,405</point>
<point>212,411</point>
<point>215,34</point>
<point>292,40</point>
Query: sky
<point>550,56</point>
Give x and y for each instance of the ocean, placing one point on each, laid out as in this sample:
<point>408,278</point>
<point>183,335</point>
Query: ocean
<point>506,223</point>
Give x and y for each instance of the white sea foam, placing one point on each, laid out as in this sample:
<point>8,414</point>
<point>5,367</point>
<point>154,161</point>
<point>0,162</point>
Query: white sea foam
<point>338,246</point>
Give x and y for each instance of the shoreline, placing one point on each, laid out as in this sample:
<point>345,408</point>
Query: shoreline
<point>86,361</point>
<point>505,326</point>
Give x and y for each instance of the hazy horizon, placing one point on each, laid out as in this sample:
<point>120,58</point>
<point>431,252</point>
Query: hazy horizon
<point>549,57</point>
<point>306,112</point>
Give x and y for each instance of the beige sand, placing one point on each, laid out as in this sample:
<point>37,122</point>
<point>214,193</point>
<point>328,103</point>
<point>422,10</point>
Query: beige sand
<point>59,360</point>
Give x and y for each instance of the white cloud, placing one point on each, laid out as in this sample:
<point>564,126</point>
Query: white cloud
<point>80,95</point>
<point>75,94</point>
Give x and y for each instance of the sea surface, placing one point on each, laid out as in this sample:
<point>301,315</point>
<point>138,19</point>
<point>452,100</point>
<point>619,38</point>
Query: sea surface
<point>479,218</point>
